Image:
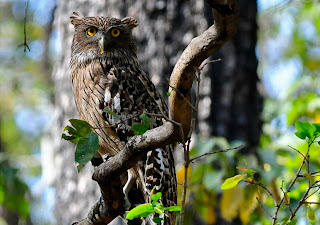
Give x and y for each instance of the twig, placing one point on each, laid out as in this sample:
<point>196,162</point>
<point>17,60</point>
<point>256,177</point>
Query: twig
<point>298,152</point>
<point>185,181</point>
<point>315,172</point>
<point>215,152</point>
<point>265,188</point>
<point>284,195</point>
<point>24,29</point>
<point>311,203</point>
<point>261,205</point>
<point>301,202</point>
<point>208,62</point>
<point>313,192</point>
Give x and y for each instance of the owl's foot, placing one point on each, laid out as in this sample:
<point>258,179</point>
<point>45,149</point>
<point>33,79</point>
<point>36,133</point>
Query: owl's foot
<point>105,157</point>
<point>127,187</point>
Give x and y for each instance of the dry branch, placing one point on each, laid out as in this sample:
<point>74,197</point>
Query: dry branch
<point>200,48</point>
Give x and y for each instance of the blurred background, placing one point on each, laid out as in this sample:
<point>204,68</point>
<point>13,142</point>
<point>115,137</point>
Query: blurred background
<point>268,79</point>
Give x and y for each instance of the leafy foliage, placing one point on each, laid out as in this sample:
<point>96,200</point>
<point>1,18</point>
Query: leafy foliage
<point>309,133</point>
<point>155,206</point>
<point>13,191</point>
<point>141,128</point>
<point>87,141</point>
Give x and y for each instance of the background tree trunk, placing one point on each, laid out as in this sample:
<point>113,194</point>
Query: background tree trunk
<point>165,29</point>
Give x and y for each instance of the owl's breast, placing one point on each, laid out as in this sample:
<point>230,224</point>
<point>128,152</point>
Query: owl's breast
<point>113,98</point>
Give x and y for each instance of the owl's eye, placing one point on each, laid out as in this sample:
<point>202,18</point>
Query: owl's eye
<point>91,31</point>
<point>115,32</point>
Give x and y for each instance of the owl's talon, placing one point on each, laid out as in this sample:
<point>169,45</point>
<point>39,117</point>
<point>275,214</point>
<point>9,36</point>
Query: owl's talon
<point>127,187</point>
<point>105,157</point>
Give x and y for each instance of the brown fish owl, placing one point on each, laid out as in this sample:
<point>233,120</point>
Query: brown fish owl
<point>111,92</point>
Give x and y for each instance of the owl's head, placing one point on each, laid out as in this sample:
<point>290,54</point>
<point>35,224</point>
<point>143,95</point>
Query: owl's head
<point>102,36</point>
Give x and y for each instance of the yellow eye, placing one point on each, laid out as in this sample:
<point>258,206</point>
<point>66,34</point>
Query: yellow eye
<point>115,32</point>
<point>91,31</point>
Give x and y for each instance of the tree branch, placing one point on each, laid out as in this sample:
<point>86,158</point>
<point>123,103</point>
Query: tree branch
<point>24,29</point>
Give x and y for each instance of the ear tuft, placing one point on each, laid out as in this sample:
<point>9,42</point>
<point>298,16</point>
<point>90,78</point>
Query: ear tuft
<point>130,22</point>
<point>76,19</point>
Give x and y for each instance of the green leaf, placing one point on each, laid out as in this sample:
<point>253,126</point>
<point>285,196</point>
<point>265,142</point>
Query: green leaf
<point>311,214</point>
<point>156,197</point>
<point>249,172</point>
<point>79,130</point>
<point>175,208</point>
<point>83,127</point>
<point>86,148</point>
<point>304,130</point>
<point>317,126</point>
<point>2,195</point>
<point>159,209</point>
<point>168,94</point>
<point>232,181</point>
<point>116,116</point>
<point>80,167</point>
<point>157,220</point>
<point>155,204</point>
<point>141,128</point>
<point>143,210</point>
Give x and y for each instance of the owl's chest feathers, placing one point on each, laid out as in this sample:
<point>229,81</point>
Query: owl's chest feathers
<point>118,94</point>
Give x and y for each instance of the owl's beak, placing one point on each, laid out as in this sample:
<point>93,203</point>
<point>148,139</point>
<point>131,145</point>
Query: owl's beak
<point>102,44</point>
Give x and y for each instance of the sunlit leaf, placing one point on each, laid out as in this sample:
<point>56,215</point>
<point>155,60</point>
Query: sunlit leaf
<point>158,209</point>
<point>304,130</point>
<point>143,210</point>
<point>232,181</point>
<point>175,208</point>
<point>156,197</point>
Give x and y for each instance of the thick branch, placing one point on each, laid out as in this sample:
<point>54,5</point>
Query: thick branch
<point>134,149</point>
<point>225,15</point>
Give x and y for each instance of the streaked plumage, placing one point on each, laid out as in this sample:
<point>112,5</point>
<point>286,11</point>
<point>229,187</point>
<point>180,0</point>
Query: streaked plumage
<point>111,92</point>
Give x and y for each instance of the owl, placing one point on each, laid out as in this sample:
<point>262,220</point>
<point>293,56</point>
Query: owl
<point>111,93</point>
